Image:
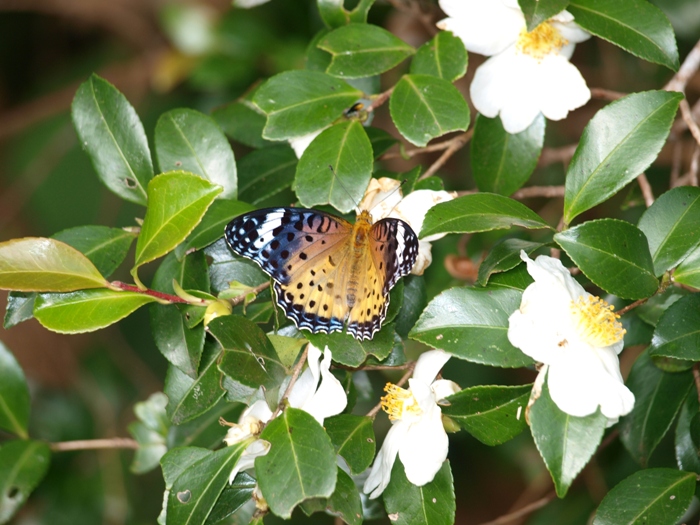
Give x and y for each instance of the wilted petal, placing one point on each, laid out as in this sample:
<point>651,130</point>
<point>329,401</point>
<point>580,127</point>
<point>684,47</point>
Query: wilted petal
<point>257,448</point>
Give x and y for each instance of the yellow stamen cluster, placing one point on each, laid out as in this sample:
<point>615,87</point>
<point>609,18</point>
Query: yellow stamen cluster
<point>541,41</point>
<point>399,402</point>
<point>595,321</point>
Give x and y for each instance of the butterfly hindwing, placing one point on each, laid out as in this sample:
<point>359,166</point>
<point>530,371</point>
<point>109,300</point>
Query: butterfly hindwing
<point>394,247</point>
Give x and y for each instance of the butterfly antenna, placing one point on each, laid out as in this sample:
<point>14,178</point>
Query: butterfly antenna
<point>389,195</point>
<point>357,205</point>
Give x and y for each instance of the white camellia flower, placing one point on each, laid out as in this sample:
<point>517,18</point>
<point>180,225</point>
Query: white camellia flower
<point>383,199</point>
<point>299,144</point>
<point>247,4</point>
<point>417,434</point>
<point>577,337</point>
<point>528,73</point>
<point>317,391</point>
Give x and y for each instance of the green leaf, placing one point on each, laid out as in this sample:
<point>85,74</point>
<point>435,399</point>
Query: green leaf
<point>502,162</point>
<point>14,395</point>
<point>188,140</point>
<point>212,226</point>
<point>565,442</point>
<point>504,256</point>
<point>538,11</point>
<point>346,148</point>
<point>444,57</point>
<point>23,464</point>
<point>678,333</point>
<point>264,173</point>
<point>659,495</point>
<point>20,307</point>
<point>658,397</point>
<point>363,50</point>
<point>196,491</point>
<point>479,212</point>
<point>113,136</point>
<point>232,498</point>
<point>687,451</point>
<point>87,310</point>
<point>424,107</point>
<point>243,122</point>
<point>300,464</point>
<point>381,142</point>
<point>349,351</point>
<point>105,247</point>
<point>636,26</point>
<point>249,358</point>
<point>35,264</point>
<point>177,202</point>
<point>492,414</point>
<point>614,255</point>
<point>618,144</point>
<point>189,398</point>
<point>334,13</point>
<point>688,272</point>
<point>226,267</point>
<point>472,324</point>
<point>431,504</point>
<point>150,431</point>
<point>415,299</point>
<point>651,311</point>
<point>353,439</point>
<point>672,226</point>
<point>299,102</point>
<point>516,279</point>
<point>345,501</point>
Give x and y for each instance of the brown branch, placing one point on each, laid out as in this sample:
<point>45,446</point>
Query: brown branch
<point>696,377</point>
<point>632,306</point>
<point>524,511</point>
<point>552,155</point>
<point>292,381</point>
<point>687,117</point>
<point>241,298</point>
<point>401,382</point>
<point>688,68</point>
<point>693,171</point>
<point>539,191</point>
<point>380,99</point>
<point>372,368</point>
<point>440,146</point>
<point>94,444</point>
<point>646,189</point>
<point>457,143</point>
<point>606,94</point>
<point>153,293</point>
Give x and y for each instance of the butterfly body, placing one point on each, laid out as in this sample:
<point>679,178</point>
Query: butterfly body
<point>329,274</point>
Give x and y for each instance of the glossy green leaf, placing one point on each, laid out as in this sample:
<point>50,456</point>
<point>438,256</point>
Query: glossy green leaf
<point>300,464</point>
<point>23,464</point>
<point>243,122</point>
<point>516,279</point>
<point>232,498</point>
<point>264,173</point>
<point>334,13</point>
<point>415,299</point>
<point>688,272</point>
<point>113,136</point>
<point>443,56</point>
<point>189,398</point>
<point>213,224</point>
<point>249,358</point>
<point>349,351</point>
<point>177,202</point>
<point>614,255</point>
<point>179,344</point>
<point>14,395</point>
<point>35,264</point>
<point>659,495</point>
<point>538,11</point>
<point>20,307</point>
<point>479,212</point>
<point>636,26</point>
<point>687,449</point>
<point>353,439</point>
<point>188,140</point>
<point>381,141</point>
<point>86,310</point>
<point>431,504</point>
<point>472,324</point>
<point>346,148</point>
<point>502,162</point>
<point>651,311</point>
<point>492,414</point>
<point>226,267</point>
<point>504,256</point>
<point>618,144</point>
<point>363,50</point>
<point>196,491</point>
<point>150,432</point>
<point>299,102</point>
<point>677,334</point>
<point>345,501</point>
<point>105,247</point>
<point>672,226</point>
<point>424,107</point>
<point>658,397</point>
<point>565,442</point>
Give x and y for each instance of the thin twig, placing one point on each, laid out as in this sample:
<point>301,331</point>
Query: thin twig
<point>259,288</point>
<point>94,444</point>
<point>606,94</point>
<point>693,171</point>
<point>527,509</point>
<point>440,146</point>
<point>457,143</point>
<point>676,162</point>
<point>696,376</point>
<point>646,189</point>
<point>539,191</point>
<point>401,382</point>
<point>687,116</point>
<point>372,368</point>
<point>292,381</point>
<point>688,68</point>
<point>153,293</point>
<point>552,155</point>
<point>632,306</point>
<point>380,99</point>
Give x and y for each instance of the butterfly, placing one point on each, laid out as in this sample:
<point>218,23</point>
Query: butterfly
<point>329,274</point>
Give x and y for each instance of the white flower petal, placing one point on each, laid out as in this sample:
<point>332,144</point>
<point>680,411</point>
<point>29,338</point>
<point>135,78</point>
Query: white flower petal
<point>247,4</point>
<point>424,449</point>
<point>415,205</point>
<point>330,398</point>
<point>299,144</point>
<point>485,27</point>
<point>380,474</point>
<point>429,364</point>
<point>563,89</point>
<point>257,448</point>
<point>525,332</point>
<point>569,29</point>
<point>307,383</point>
<point>381,197</point>
<point>443,388</point>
